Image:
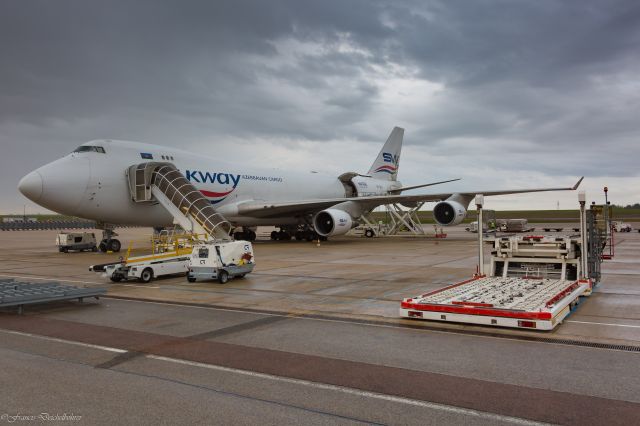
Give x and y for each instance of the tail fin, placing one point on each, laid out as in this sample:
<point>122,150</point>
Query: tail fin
<point>388,161</point>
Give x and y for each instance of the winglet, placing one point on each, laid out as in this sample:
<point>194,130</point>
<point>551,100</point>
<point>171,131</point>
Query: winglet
<point>577,183</point>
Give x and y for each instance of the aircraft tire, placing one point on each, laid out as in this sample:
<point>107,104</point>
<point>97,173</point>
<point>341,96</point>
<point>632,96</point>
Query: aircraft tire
<point>114,246</point>
<point>284,236</point>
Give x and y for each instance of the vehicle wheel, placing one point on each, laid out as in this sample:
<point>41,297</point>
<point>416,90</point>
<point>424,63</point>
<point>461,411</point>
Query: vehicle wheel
<point>147,275</point>
<point>65,250</point>
<point>284,236</point>
<point>103,246</point>
<point>223,277</point>
<point>241,275</point>
<point>274,235</point>
<point>116,278</point>
<point>253,236</point>
<point>238,236</point>
<point>191,279</point>
<point>369,233</point>
<point>309,236</point>
<point>114,245</point>
<point>94,249</point>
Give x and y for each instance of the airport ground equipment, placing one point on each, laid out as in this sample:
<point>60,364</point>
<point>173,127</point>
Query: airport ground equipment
<point>76,241</point>
<point>164,254</point>
<point>534,281</point>
<point>170,253</point>
<point>536,303</point>
<point>215,261</point>
<point>399,218</point>
<point>163,182</point>
<point>513,225</point>
<point>20,293</point>
<point>618,226</point>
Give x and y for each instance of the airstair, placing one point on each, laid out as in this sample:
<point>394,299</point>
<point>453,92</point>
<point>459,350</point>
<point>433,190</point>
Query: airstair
<point>164,183</point>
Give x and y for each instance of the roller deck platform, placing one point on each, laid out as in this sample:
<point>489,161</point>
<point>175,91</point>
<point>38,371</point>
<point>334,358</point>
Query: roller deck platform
<point>519,302</point>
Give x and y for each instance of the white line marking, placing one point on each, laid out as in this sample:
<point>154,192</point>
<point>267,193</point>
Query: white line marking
<point>352,391</point>
<point>70,342</point>
<point>605,323</point>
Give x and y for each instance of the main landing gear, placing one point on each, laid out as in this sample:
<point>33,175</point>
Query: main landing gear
<point>246,234</point>
<point>300,233</point>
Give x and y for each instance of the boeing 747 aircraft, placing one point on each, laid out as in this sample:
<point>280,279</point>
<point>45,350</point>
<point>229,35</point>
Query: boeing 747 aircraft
<point>94,182</point>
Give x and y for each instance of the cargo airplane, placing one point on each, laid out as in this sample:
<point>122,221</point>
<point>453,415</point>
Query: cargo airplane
<point>91,183</point>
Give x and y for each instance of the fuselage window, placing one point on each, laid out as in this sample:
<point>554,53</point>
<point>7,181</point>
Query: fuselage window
<point>89,148</point>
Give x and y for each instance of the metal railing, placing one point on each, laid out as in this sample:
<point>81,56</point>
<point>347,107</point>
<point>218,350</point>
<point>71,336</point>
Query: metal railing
<point>190,201</point>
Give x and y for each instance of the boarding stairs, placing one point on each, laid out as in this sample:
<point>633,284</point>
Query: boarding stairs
<point>164,183</point>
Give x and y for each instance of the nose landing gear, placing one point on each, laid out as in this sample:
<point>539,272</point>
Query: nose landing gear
<point>109,243</point>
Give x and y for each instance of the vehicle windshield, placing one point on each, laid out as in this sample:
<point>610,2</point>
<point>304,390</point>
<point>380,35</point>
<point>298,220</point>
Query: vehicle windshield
<point>89,148</point>
<point>203,253</point>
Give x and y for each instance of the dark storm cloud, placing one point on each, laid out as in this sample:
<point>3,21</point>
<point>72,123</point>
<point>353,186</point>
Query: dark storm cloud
<point>467,79</point>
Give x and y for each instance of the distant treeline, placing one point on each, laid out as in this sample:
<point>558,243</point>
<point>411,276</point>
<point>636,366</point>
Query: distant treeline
<point>628,206</point>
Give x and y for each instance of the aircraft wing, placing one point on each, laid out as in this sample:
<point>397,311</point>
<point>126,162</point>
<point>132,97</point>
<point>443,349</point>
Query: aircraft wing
<point>264,210</point>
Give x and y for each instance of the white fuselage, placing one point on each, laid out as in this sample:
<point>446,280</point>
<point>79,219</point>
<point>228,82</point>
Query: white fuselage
<point>93,185</point>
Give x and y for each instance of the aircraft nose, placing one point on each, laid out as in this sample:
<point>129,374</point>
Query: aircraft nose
<point>31,186</point>
<point>60,185</point>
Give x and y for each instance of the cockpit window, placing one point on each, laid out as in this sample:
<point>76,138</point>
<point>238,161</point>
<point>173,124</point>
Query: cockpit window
<point>89,148</point>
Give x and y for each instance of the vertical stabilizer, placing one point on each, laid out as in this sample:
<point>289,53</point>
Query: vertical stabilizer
<point>388,161</point>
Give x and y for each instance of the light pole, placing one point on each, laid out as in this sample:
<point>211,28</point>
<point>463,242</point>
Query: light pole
<point>479,203</point>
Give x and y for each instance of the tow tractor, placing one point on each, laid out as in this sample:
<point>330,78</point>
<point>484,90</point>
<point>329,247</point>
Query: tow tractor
<point>534,282</point>
<point>220,261</point>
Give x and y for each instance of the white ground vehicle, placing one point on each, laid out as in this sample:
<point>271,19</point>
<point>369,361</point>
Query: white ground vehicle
<point>146,268</point>
<point>79,241</point>
<point>622,227</point>
<point>221,261</point>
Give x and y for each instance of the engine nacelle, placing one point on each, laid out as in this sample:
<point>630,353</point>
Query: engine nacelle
<point>449,213</point>
<point>332,222</point>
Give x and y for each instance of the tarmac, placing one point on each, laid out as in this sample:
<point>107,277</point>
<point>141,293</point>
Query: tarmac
<point>312,336</point>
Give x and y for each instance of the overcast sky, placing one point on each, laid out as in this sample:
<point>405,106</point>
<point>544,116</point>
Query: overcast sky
<point>503,94</point>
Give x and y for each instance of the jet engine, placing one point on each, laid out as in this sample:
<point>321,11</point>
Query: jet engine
<point>332,222</point>
<point>449,212</point>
